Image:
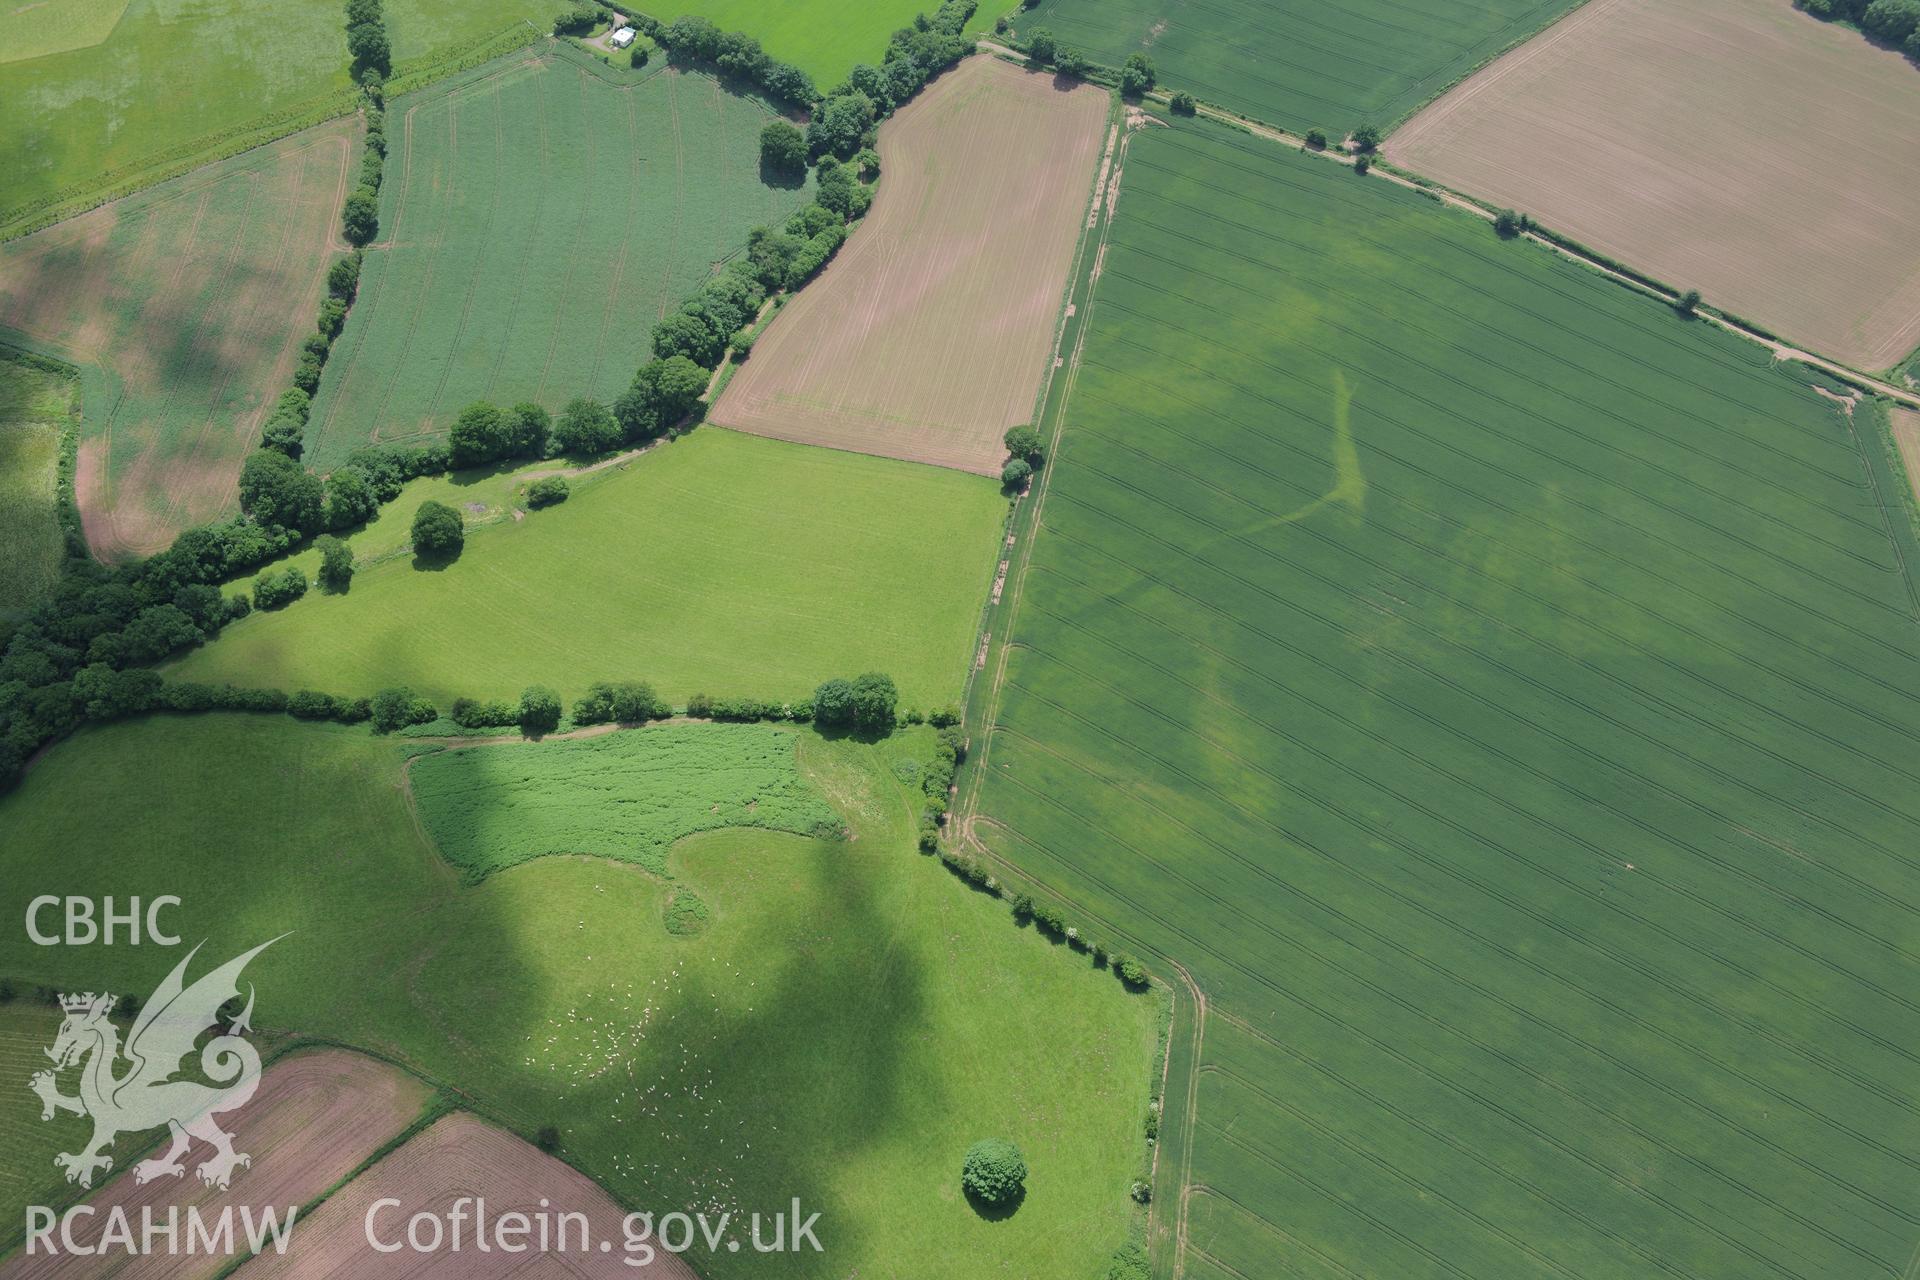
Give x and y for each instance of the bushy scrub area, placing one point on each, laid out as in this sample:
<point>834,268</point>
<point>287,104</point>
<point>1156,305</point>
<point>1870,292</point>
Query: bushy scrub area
<point>1293,63</point>
<point>38,408</point>
<point>822,38</point>
<point>1501,693</point>
<point>176,85</point>
<point>533,268</point>
<point>848,1024</point>
<point>625,795</point>
<point>719,563</point>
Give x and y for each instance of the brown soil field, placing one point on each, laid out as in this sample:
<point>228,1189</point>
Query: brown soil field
<point>460,1155</point>
<point>184,307</point>
<point>316,1118</point>
<point>1906,438</point>
<point>927,337</point>
<point>1739,147</point>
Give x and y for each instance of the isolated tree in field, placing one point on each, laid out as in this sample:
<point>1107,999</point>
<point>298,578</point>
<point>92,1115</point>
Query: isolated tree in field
<point>1689,302</point>
<point>1024,442</point>
<point>1183,104</point>
<point>1506,224</point>
<point>360,217</point>
<point>539,710</point>
<point>1362,163</point>
<point>438,530</point>
<point>546,491</point>
<point>586,426</point>
<point>994,1173</point>
<point>1040,46</point>
<point>1317,139</point>
<point>482,433</point>
<point>336,562</point>
<point>783,148</point>
<point>276,490</point>
<point>1366,138</point>
<point>1016,473</point>
<point>875,702</point>
<point>833,704</point>
<point>1137,75</point>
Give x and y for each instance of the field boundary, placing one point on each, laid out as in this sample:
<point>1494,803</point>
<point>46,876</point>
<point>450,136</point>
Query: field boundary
<point>72,201</point>
<point>1179,1069</point>
<point>66,501</point>
<point>1566,246</point>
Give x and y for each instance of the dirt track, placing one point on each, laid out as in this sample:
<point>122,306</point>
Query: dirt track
<point>927,336</point>
<point>459,1156</point>
<point>317,1116</point>
<point>1736,146</point>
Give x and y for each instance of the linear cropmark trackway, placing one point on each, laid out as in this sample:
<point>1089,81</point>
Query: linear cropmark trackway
<point>1545,667</point>
<point>538,217</point>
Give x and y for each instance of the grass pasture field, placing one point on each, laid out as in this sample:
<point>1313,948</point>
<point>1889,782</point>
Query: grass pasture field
<point>821,37</point>
<point>184,308</point>
<point>627,796</point>
<point>101,98</point>
<point>720,563</point>
<point>1501,694</point>
<point>1739,147</point>
<point>36,408</point>
<point>927,336</point>
<point>460,1155</point>
<point>848,1023</point>
<point>1294,63</point>
<point>540,214</point>
<point>317,1116</point>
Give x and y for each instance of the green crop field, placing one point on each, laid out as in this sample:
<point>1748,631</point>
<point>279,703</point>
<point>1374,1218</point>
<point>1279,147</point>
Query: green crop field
<point>627,796</point>
<point>94,106</point>
<point>849,1021</point>
<point>1503,695</point>
<point>720,563</point>
<point>36,407</point>
<point>1293,63</point>
<point>540,215</point>
<point>824,38</point>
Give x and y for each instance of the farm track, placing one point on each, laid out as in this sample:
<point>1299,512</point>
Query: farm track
<point>1794,499</point>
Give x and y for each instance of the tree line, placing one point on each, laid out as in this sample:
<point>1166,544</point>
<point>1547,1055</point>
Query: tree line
<point>1893,23</point>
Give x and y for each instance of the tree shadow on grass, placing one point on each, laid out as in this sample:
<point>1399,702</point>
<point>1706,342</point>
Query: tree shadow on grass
<point>997,1211</point>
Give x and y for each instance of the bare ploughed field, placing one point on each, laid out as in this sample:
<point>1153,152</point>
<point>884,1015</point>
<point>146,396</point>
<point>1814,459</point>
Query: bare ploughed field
<point>316,1118</point>
<point>1906,438</point>
<point>927,337</point>
<point>460,1156</point>
<point>184,307</point>
<point>1738,147</point>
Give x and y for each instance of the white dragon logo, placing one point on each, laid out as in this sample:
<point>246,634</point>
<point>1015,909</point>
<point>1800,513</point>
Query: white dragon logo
<point>146,1096</point>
